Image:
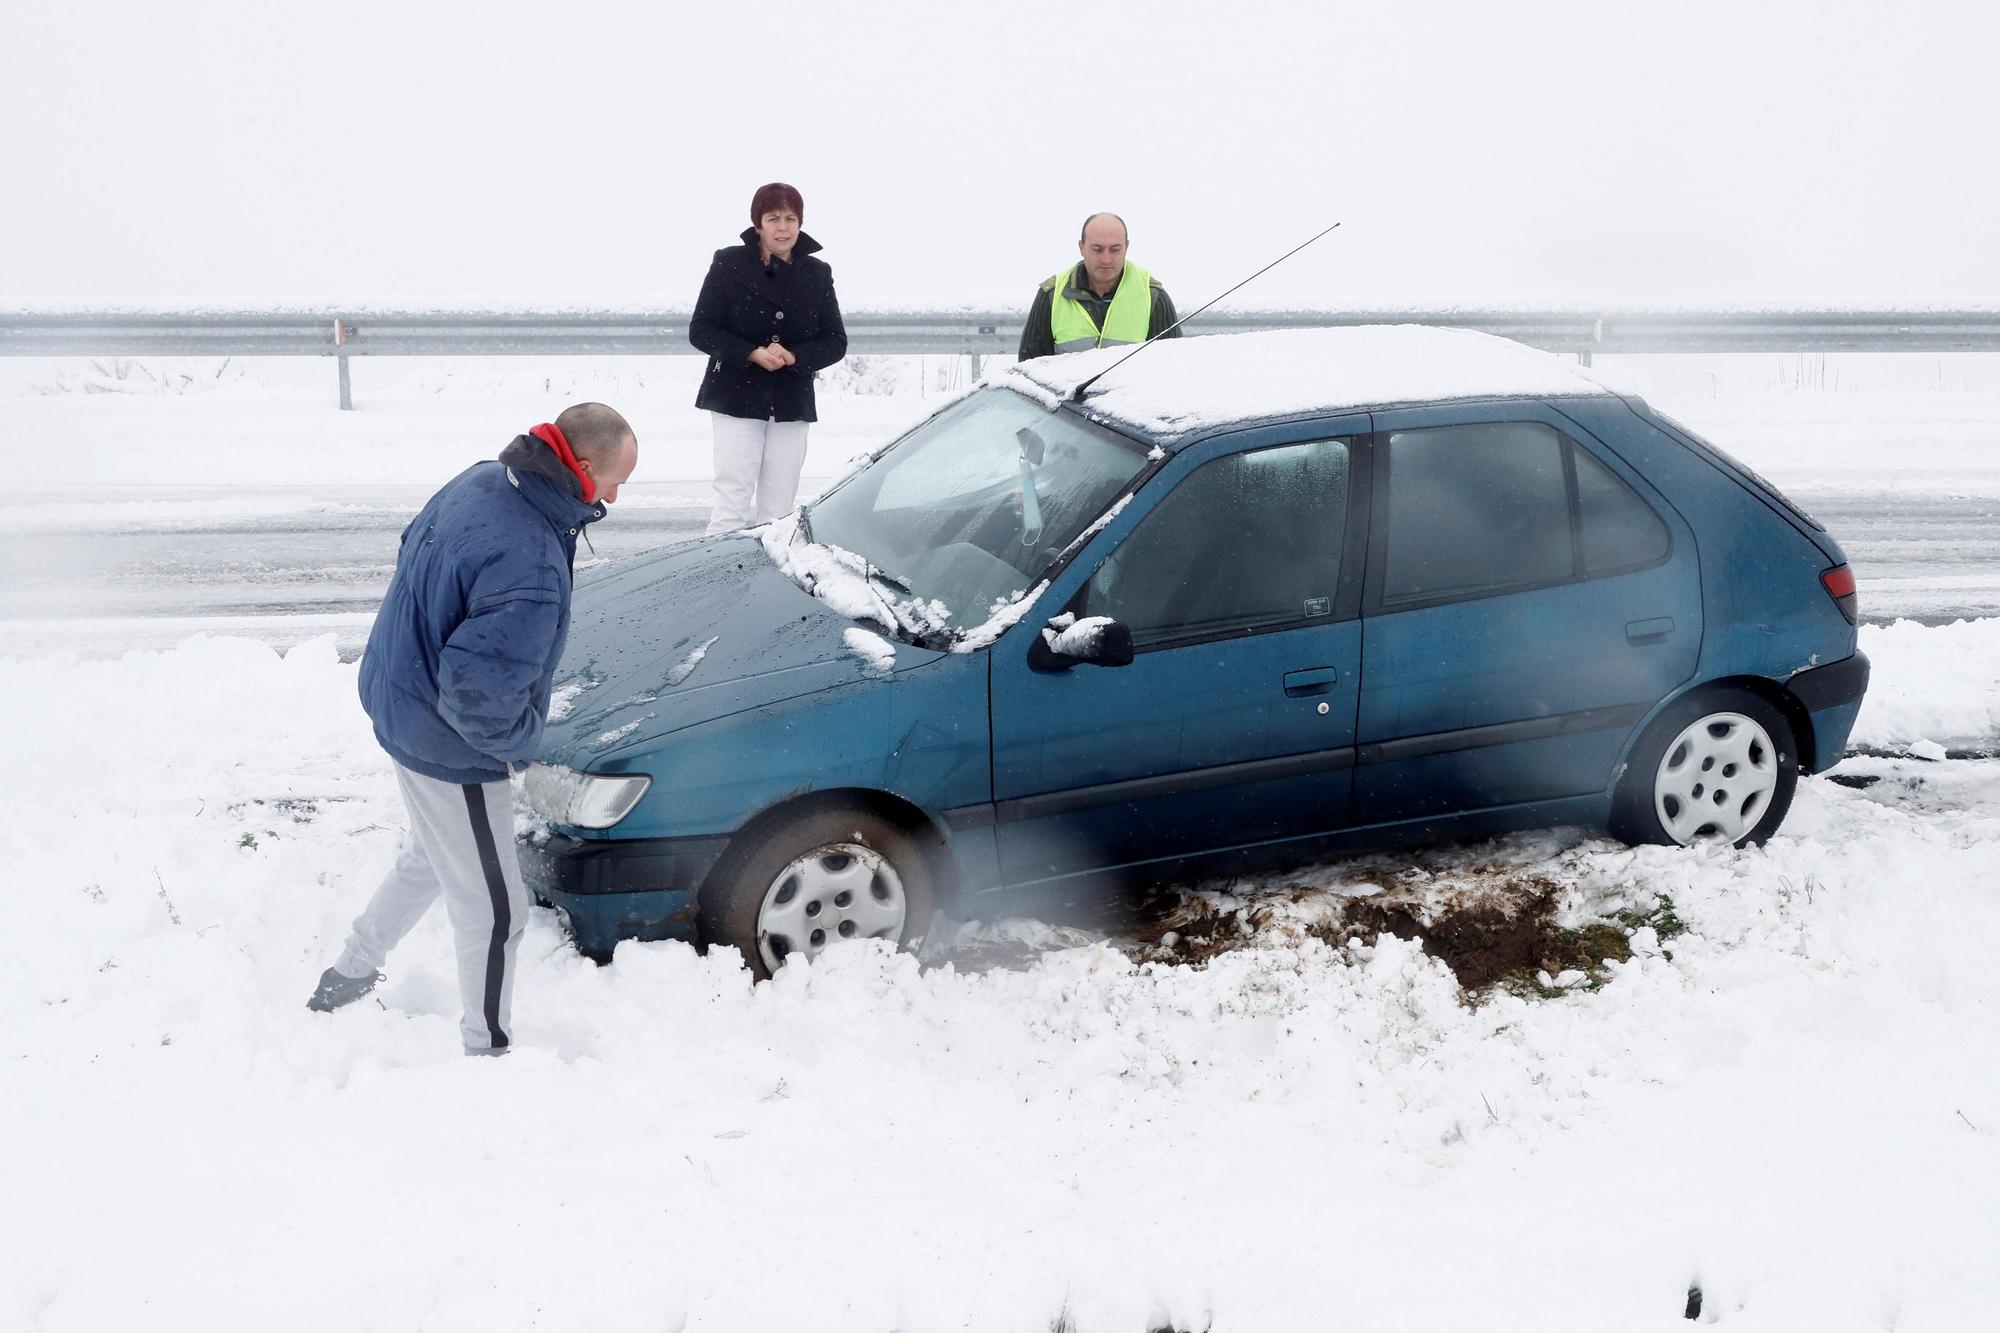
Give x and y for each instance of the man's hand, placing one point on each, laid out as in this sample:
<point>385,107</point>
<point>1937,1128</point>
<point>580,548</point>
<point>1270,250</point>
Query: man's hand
<point>773,357</point>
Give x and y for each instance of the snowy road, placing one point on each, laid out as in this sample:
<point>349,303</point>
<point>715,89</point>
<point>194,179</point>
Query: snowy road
<point>146,568</point>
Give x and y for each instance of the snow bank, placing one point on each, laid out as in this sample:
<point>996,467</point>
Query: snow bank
<point>1790,1110</point>
<point>1938,684</point>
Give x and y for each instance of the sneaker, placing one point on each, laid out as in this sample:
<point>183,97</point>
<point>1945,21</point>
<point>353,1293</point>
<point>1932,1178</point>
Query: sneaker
<point>337,989</point>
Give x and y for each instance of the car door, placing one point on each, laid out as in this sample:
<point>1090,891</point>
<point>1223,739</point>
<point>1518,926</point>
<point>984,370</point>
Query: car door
<point>1529,598</point>
<point>1234,723</point>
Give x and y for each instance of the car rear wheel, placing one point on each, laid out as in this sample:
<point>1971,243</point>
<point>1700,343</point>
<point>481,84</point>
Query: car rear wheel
<point>1719,766</point>
<point>804,885</point>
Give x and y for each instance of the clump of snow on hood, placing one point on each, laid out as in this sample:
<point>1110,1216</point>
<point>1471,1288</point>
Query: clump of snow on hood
<point>616,734</point>
<point>685,667</point>
<point>562,699</point>
<point>877,654</point>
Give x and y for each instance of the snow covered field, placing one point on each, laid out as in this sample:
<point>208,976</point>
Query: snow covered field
<point>1796,1110</point>
<point>1790,1104</point>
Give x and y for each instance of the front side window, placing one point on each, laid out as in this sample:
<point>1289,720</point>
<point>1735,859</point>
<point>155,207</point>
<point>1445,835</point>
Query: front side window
<point>1243,543</point>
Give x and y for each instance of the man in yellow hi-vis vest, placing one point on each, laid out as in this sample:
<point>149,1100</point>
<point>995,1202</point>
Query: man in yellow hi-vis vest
<point>1099,302</point>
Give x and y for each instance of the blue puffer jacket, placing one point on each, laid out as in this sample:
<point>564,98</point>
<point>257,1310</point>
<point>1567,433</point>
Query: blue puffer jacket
<point>457,671</point>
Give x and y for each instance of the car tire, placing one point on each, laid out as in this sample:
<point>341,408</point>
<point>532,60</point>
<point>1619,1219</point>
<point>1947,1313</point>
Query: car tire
<point>805,883</point>
<point>1721,764</point>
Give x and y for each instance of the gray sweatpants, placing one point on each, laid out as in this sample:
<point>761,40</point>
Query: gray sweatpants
<point>460,845</point>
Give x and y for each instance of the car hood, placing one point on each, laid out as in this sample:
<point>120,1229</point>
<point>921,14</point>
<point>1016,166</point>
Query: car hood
<point>691,633</point>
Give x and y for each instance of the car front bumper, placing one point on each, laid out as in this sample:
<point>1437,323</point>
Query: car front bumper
<point>611,890</point>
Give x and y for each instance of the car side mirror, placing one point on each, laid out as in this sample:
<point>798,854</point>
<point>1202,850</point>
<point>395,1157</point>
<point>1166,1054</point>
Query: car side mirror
<point>1092,641</point>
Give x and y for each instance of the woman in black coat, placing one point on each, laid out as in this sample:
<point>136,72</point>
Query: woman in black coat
<point>768,319</point>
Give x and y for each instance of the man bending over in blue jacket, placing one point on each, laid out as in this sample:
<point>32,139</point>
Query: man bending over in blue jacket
<point>456,679</point>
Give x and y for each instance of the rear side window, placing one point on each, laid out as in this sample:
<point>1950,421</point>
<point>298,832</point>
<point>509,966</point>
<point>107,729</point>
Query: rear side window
<point>1502,506</point>
<point>1476,509</point>
<point>1618,530</point>
<point>1247,542</point>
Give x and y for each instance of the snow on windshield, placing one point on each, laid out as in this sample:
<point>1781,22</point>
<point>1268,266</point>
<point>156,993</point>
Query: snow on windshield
<point>848,582</point>
<point>941,538</point>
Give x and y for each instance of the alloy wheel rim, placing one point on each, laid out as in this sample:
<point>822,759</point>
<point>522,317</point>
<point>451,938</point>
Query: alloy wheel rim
<point>1716,780</point>
<point>842,891</point>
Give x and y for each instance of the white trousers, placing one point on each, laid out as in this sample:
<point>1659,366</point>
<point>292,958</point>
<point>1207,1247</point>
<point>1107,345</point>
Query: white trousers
<point>460,848</point>
<point>757,466</point>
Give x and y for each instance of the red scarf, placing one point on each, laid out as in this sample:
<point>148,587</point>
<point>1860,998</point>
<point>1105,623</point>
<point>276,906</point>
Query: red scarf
<point>548,434</point>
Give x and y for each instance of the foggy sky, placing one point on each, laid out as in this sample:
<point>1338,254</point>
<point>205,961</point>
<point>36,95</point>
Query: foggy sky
<point>375,154</point>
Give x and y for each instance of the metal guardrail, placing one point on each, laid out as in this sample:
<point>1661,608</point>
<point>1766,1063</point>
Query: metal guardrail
<point>975,334</point>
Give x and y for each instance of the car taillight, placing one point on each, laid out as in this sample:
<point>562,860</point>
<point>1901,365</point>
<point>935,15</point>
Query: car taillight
<point>1839,585</point>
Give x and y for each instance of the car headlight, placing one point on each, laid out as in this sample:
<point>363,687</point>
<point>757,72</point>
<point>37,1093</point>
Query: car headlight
<point>581,800</point>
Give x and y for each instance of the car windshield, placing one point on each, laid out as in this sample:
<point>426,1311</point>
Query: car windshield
<point>968,511</point>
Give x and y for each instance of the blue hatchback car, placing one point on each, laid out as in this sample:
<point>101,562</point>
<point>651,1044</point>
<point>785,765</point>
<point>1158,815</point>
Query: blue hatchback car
<point>1237,601</point>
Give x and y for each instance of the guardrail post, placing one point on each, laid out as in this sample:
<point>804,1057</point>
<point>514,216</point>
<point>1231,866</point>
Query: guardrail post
<point>983,328</point>
<point>340,355</point>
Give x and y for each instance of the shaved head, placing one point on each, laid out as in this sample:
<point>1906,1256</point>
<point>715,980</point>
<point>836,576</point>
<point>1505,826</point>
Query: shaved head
<point>595,431</point>
<point>1083,233</point>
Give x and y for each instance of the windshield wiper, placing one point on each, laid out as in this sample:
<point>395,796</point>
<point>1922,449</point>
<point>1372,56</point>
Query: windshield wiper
<point>805,528</point>
<point>890,577</point>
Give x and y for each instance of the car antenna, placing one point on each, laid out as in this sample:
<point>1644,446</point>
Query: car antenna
<point>1076,395</point>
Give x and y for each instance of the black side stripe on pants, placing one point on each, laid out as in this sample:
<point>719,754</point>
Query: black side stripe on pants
<point>496,889</point>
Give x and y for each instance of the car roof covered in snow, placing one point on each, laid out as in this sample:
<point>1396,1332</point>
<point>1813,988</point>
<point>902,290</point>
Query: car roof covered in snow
<point>1184,386</point>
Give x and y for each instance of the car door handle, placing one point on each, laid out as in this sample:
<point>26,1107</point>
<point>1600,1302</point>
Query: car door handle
<point>1318,680</point>
<point>1648,631</point>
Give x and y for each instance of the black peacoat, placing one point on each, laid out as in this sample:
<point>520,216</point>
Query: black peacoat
<point>746,303</point>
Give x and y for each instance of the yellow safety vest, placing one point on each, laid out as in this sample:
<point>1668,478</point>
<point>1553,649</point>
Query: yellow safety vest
<point>1126,321</point>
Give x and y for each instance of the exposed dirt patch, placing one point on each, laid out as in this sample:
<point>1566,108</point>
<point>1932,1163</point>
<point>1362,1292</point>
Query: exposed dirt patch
<point>1492,926</point>
<point>1481,942</point>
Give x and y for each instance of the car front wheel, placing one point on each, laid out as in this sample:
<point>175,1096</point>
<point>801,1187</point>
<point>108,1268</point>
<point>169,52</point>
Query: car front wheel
<point>810,882</point>
<point>1719,766</point>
